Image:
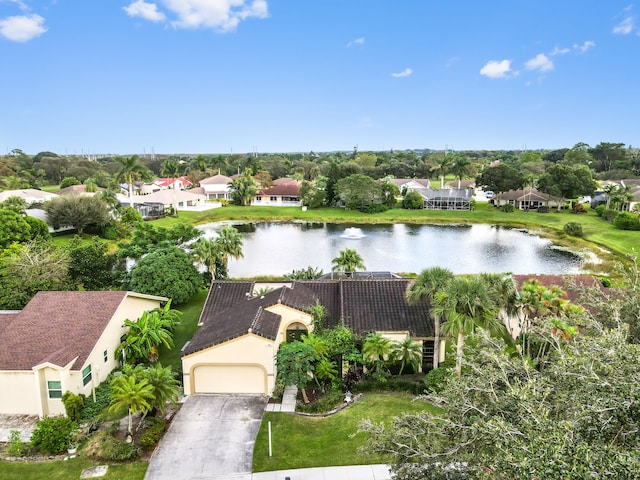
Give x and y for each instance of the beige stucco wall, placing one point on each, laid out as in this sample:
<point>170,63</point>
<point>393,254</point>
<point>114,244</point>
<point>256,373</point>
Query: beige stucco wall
<point>250,350</point>
<point>25,392</point>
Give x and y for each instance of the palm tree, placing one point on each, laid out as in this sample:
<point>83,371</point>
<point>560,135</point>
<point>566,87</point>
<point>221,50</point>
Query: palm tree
<point>229,242</point>
<point>504,293</point>
<point>129,168</point>
<point>407,352</point>
<point>13,182</point>
<point>147,333</point>
<point>424,289</point>
<point>466,303</point>
<point>164,384</point>
<point>461,167</point>
<point>130,393</point>
<point>207,253</point>
<point>376,350</point>
<point>442,166</point>
<point>348,261</point>
<point>171,169</point>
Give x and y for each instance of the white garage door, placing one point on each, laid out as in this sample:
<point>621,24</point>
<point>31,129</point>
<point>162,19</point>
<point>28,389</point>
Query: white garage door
<point>229,379</point>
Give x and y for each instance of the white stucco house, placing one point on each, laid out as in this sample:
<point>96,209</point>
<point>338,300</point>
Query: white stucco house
<point>29,195</point>
<point>62,341</point>
<point>217,187</point>
<point>234,350</point>
<point>284,195</point>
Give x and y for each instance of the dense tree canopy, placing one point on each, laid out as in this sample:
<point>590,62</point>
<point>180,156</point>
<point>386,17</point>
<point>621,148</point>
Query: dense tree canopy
<point>77,211</point>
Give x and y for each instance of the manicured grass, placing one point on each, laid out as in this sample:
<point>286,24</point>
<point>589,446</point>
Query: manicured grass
<point>184,332</point>
<point>302,442</point>
<point>64,470</point>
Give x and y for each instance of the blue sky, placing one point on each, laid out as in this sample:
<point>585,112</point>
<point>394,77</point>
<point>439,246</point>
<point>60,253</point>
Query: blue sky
<point>222,76</point>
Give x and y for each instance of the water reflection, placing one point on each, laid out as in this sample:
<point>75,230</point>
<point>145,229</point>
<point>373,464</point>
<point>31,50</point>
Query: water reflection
<point>276,248</point>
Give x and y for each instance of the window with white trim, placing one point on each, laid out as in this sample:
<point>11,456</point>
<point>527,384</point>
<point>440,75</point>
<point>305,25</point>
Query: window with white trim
<point>86,375</point>
<point>55,389</point>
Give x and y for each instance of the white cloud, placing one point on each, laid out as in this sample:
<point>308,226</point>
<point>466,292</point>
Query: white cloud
<point>357,41</point>
<point>540,62</point>
<point>559,51</point>
<point>221,15</point>
<point>495,69</point>
<point>148,11</point>
<point>625,27</point>
<point>585,46</point>
<point>22,28</point>
<point>451,62</point>
<point>405,73</point>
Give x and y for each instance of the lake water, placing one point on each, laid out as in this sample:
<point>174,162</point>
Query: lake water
<point>277,248</point>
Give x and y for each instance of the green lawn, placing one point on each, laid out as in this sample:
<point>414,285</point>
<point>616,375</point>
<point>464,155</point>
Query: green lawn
<point>184,332</point>
<point>302,442</point>
<point>64,470</point>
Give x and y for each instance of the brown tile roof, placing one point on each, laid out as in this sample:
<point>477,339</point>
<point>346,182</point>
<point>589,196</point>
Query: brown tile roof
<point>290,189</point>
<point>56,327</point>
<point>76,189</point>
<point>362,305</point>
<point>216,179</point>
<point>284,181</point>
<point>529,194</point>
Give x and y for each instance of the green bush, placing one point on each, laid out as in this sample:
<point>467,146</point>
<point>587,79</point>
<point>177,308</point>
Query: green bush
<point>600,209</point>
<point>412,201</point>
<point>508,208</point>
<point>73,405</point>
<point>413,384</point>
<point>68,182</point>
<point>574,229</point>
<point>53,434</point>
<point>114,449</point>
<point>627,221</point>
<point>15,447</point>
<point>375,208</point>
<point>152,436</point>
<point>543,209</point>
<point>326,403</point>
<point>438,377</point>
<point>90,410</point>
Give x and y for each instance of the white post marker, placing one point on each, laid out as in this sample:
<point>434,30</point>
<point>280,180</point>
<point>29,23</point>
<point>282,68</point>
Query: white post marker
<point>270,439</point>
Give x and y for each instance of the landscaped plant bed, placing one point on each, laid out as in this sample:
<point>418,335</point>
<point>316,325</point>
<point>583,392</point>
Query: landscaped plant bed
<point>340,407</point>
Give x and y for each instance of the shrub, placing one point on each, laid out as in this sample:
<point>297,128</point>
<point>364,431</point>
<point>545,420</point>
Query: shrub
<point>543,209</point>
<point>375,208</point>
<point>152,436</point>
<point>326,403</point>
<point>69,181</point>
<point>413,384</point>
<point>90,408</point>
<point>73,405</point>
<point>15,444</point>
<point>114,449</point>
<point>278,390</point>
<point>508,208</point>
<point>627,221</point>
<point>53,434</point>
<point>600,209</point>
<point>412,201</point>
<point>579,208</point>
<point>574,229</point>
<point>437,378</point>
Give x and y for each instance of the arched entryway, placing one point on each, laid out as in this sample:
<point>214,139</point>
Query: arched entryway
<point>295,331</point>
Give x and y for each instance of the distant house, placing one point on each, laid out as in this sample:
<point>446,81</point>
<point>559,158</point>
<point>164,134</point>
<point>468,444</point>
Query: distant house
<point>62,341</point>
<point>78,190</point>
<point>234,350</point>
<point>29,195</point>
<point>284,181</point>
<point>285,195</point>
<point>445,198</point>
<point>462,184</point>
<point>217,187</point>
<point>526,199</point>
<point>181,183</point>
<point>185,199</point>
<point>411,184</point>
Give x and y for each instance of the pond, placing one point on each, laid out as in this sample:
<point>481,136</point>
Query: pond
<point>277,248</point>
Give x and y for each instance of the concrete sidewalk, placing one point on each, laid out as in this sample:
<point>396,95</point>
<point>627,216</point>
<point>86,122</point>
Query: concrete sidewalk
<point>350,472</point>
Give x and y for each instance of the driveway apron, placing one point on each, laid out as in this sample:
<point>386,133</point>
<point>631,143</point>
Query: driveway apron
<point>211,437</point>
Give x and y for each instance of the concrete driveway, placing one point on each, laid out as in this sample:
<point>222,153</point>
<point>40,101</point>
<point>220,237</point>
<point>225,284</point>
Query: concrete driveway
<point>211,437</point>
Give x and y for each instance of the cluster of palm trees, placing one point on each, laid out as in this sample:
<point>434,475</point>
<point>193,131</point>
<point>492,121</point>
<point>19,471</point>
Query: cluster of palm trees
<point>214,253</point>
<point>347,262</point>
<point>462,303</point>
<point>379,352</point>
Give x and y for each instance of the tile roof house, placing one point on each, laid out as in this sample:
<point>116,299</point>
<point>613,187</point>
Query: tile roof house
<point>217,187</point>
<point>234,350</point>
<point>78,190</point>
<point>62,341</point>
<point>29,195</point>
<point>526,199</point>
<point>284,195</point>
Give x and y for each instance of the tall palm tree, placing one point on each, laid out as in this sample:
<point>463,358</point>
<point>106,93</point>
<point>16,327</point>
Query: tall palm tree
<point>424,289</point>
<point>407,352</point>
<point>461,167</point>
<point>442,166</point>
<point>206,252</point>
<point>130,393</point>
<point>229,242</point>
<point>347,261</point>
<point>504,293</point>
<point>171,169</point>
<point>465,303</point>
<point>130,167</point>
<point>165,386</point>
